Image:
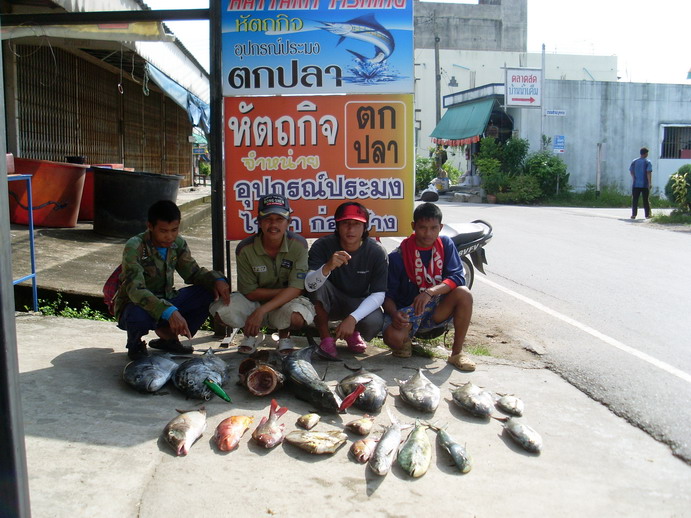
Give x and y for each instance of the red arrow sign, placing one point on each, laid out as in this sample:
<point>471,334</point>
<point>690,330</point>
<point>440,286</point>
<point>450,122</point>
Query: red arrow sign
<point>519,99</point>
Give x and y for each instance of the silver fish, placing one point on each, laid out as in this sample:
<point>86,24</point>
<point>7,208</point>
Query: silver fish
<point>522,434</point>
<point>308,421</point>
<point>473,400</point>
<point>362,426</point>
<point>419,392</point>
<point>190,376</point>
<point>182,431</point>
<point>150,373</point>
<point>363,449</point>
<point>317,442</point>
<point>416,453</point>
<point>374,396</point>
<point>510,404</point>
<point>387,448</point>
<point>462,459</point>
<point>269,433</point>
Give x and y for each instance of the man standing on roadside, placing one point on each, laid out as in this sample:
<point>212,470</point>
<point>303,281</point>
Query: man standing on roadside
<point>271,268</point>
<point>147,299</point>
<point>426,288</point>
<point>347,281</point>
<point>641,173</point>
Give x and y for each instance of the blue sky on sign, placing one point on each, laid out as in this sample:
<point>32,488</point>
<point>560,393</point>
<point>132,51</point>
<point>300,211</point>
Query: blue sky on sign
<point>650,39</point>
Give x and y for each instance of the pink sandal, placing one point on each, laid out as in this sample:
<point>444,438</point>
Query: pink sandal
<point>356,344</point>
<point>328,346</point>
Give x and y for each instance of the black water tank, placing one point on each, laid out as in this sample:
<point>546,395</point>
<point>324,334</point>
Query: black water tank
<point>122,199</point>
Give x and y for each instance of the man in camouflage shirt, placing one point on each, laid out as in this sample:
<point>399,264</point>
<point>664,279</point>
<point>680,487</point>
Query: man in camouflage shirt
<point>147,298</point>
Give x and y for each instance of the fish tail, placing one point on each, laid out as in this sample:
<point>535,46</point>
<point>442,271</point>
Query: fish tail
<point>277,410</point>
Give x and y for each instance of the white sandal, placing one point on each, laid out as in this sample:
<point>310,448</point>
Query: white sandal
<point>285,346</point>
<point>250,343</point>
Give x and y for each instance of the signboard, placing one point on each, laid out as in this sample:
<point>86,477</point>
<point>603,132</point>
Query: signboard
<point>317,47</point>
<point>559,145</point>
<point>523,87</point>
<point>199,150</point>
<point>320,151</point>
<point>555,113</point>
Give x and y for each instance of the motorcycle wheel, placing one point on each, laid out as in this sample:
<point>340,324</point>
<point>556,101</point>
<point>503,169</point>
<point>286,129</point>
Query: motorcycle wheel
<point>469,271</point>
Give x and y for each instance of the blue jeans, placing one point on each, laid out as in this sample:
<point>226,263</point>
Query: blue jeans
<point>192,303</point>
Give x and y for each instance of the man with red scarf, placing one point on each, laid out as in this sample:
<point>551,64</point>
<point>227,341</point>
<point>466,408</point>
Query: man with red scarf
<point>426,288</point>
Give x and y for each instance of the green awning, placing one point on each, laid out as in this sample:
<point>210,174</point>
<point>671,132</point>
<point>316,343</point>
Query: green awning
<point>463,124</point>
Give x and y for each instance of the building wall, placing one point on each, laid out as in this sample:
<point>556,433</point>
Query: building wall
<point>497,25</point>
<point>621,117</point>
<point>465,69</point>
<point>65,106</point>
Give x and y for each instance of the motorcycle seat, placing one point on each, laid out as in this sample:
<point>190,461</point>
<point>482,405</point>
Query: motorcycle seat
<point>463,232</point>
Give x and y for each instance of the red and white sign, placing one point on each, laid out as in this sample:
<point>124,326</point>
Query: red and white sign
<point>523,87</point>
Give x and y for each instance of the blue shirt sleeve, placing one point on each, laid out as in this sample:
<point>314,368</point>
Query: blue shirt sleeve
<point>453,266</point>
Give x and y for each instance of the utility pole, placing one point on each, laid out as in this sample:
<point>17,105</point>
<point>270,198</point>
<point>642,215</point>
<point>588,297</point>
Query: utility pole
<point>437,74</point>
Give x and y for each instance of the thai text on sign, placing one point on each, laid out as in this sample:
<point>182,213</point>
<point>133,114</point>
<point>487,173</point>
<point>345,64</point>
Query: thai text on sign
<point>319,152</point>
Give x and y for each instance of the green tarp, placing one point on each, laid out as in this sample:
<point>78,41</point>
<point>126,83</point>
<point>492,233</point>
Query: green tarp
<point>463,124</point>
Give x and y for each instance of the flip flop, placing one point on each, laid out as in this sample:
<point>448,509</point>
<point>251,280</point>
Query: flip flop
<point>249,344</point>
<point>285,346</point>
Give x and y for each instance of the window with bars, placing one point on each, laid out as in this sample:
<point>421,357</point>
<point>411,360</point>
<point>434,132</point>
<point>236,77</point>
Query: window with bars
<point>676,142</point>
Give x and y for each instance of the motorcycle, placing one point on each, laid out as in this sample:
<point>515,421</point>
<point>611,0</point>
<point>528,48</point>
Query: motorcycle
<point>470,240</point>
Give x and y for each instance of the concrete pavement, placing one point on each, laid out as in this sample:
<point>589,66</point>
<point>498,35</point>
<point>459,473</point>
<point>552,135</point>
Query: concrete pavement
<point>94,449</point>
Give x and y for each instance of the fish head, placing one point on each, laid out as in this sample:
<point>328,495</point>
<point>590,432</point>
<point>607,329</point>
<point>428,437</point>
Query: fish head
<point>177,439</point>
<point>327,400</point>
<point>227,443</point>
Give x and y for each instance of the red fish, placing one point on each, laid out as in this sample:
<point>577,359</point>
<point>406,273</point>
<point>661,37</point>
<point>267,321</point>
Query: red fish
<point>269,433</point>
<point>229,431</point>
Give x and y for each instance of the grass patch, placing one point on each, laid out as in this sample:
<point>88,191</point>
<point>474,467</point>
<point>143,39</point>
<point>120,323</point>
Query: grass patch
<point>608,198</point>
<point>675,217</point>
<point>477,350</point>
<point>60,308</point>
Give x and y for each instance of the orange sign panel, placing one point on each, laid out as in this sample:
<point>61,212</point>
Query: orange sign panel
<point>320,151</point>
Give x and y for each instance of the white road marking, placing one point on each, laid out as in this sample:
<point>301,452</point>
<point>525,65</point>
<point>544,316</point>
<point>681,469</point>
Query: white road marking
<point>593,332</point>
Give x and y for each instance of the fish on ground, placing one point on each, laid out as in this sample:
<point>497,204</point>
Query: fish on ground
<point>191,375</point>
<point>269,433</point>
<point>460,456</point>
<point>473,400</point>
<point>419,392</point>
<point>317,442</point>
<point>303,380</point>
<point>361,426</point>
<point>229,431</point>
<point>510,404</point>
<point>308,421</point>
<point>525,436</point>
<point>385,453</point>
<point>149,374</point>
<point>182,431</point>
<point>416,453</point>
<point>374,396</point>
<point>363,449</point>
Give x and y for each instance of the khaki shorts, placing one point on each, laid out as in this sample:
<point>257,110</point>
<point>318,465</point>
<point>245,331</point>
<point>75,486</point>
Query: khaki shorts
<point>240,308</point>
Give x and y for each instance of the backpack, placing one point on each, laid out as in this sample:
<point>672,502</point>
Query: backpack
<point>110,289</point>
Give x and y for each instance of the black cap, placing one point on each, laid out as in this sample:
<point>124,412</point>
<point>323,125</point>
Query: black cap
<point>273,204</point>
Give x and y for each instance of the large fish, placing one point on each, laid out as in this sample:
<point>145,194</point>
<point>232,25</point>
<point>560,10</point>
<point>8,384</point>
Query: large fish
<point>191,375</point>
<point>522,434</point>
<point>473,400</point>
<point>269,433</point>
<point>317,442</point>
<point>364,28</point>
<point>182,431</point>
<point>462,459</point>
<point>419,392</point>
<point>416,453</point>
<point>374,396</point>
<point>305,383</point>
<point>150,373</point>
<point>229,431</point>
<point>385,453</point>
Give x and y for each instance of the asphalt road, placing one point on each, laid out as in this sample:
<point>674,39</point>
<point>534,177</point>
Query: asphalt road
<point>604,298</point>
